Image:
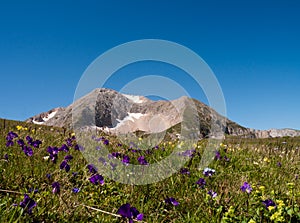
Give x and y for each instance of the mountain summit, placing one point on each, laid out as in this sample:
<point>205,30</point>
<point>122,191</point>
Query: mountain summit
<point>114,112</point>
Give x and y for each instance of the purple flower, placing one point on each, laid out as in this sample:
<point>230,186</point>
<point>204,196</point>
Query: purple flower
<point>64,148</point>
<point>74,174</point>
<point>6,157</point>
<point>92,168</point>
<point>79,147</point>
<point>53,151</point>
<point>64,165</point>
<point>105,141</point>
<point>268,203</point>
<point>29,140</point>
<point>53,157</point>
<point>56,188</point>
<point>9,143</point>
<point>98,147</point>
<point>36,143</point>
<point>27,204</point>
<point>27,150</point>
<point>21,142</point>
<point>126,211</point>
<point>226,159</point>
<point>68,158</point>
<point>171,200</point>
<point>201,182</point>
<point>97,179</point>
<point>102,160</point>
<point>33,190</point>
<point>217,155</point>
<point>113,165</point>
<point>98,139</point>
<point>132,144</point>
<point>212,193</point>
<point>116,154</point>
<point>126,160</point>
<point>185,171</point>
<point>48,175</point>
<point>188,153</point>
<point>246,188</point>
<point>279,164</point>
<point>11,135</point>
<point>69,142</point>
<point>142,160</point>
<point>75,190</point>
<point>208,172</point>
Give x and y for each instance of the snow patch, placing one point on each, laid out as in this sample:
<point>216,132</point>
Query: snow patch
<point>36,122</point>
<point>131,117</point>
<point>49,116</point>
<point>45,119</point>
<point>134,98</point>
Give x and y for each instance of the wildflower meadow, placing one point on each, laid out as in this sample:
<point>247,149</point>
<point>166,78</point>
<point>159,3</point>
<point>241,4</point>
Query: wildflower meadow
<point>45,178</point>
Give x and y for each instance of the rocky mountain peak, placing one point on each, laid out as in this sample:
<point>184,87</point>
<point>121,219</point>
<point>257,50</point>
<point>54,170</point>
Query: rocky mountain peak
<point>120,113</point>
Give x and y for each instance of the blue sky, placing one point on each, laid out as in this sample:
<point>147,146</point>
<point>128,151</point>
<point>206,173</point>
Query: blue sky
<point>253,47</point>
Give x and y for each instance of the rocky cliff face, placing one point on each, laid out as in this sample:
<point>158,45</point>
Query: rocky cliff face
<point>121,113</point>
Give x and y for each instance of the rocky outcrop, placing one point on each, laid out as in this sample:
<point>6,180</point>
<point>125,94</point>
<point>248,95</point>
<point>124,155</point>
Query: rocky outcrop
<point>273,133</point>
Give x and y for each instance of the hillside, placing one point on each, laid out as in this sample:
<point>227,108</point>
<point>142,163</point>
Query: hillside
<point>249,180</point>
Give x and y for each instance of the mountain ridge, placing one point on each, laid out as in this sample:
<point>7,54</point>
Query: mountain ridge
<point>114,112</point>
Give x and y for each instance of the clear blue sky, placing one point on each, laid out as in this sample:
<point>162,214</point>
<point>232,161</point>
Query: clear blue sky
<point>253,47</point>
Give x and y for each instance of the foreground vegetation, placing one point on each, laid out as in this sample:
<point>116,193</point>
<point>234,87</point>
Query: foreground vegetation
<point>250,180</point>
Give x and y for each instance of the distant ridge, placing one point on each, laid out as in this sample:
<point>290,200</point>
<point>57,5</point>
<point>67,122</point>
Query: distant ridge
<point>115,112</point>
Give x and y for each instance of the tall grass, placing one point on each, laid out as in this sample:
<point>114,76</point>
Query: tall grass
<point>270,166</point>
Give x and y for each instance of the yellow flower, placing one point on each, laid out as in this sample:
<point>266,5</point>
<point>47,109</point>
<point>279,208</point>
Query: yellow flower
<point>280,203</point>
<point>140,139</point>
<point>262,188</point>
<point>271,208</point>
<point>290,185</point>
<point>73,134</point>
<point>251,221</point>
<point>19,127</point>
<point>33,130</point>
<point>170,143</point>
<point>223,145</point>
<point>277,217</point>
<point>266,159</point>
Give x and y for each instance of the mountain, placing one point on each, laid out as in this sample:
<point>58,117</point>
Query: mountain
<point>114,112</point>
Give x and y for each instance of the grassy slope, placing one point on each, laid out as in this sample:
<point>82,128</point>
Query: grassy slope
<point>251,160</point>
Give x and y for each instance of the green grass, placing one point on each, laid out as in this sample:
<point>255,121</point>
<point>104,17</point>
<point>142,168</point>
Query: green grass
<point>251,160</point>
